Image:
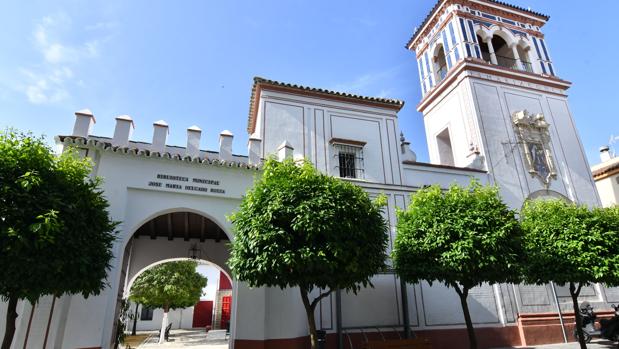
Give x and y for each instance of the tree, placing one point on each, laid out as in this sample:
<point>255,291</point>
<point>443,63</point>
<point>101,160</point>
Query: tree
<point>299,228</point>
<point>570,244</point>
<point>55,233</point>
<point>135,319</point>
<point>462,237</point>
<point>170,285</point>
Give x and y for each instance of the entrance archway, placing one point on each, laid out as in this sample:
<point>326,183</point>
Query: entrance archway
<point>176,235</point>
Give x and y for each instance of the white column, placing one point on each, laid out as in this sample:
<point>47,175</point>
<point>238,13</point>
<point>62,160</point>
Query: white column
<point>519,64</point>
<point>488,42</point>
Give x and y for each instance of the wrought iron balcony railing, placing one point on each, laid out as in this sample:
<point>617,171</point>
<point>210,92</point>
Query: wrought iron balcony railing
<point>508,62</point>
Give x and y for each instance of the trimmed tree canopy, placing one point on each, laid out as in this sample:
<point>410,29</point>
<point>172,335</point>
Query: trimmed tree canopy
<point>55,232</point>
<point>463,237</point>
<point>169,285</point>
<point>297,227</point>
<point>571,244</point>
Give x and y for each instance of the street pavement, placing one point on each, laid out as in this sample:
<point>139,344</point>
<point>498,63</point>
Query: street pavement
<point>595,344</point>
<point>217,339</point>
<point>190,339</point>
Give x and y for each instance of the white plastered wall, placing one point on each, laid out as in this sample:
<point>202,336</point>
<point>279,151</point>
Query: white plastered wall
<point>479,112</point>
<point>310,123</point>
<point>179,318</point>
<point>608,188</point>
<point>494,104</point>
<point>133,202</point>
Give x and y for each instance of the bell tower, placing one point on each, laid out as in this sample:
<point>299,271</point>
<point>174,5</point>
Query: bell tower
<point>492,99</point>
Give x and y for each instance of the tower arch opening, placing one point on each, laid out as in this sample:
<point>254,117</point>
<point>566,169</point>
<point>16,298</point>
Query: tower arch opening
<point>440,63</point>
<point>483,47</point>
<point>503,52</point>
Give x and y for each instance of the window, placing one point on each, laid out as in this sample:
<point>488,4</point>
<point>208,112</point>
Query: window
<point>445,151</point>
<point>146,314</point>
<point>349,160</point>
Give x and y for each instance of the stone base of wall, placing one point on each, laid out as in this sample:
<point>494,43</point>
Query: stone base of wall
<point>487,337</point>
<point>545,328</point>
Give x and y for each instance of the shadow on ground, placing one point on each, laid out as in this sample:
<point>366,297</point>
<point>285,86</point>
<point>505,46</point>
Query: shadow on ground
<point>194,339</point>
<point>596,344</point>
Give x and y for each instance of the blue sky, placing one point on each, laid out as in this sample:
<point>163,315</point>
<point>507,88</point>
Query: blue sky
<point>192,62</point>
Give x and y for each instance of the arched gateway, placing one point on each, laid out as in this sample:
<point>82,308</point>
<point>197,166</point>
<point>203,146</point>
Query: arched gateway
<point>174,235</point>
<point>170,205</point>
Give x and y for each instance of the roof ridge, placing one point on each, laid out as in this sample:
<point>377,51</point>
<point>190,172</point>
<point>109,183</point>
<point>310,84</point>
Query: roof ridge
<point>387,102</point>
<point>258,79</point>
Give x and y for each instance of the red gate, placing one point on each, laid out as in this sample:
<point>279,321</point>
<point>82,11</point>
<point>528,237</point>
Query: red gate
<point>225,311</point>
<point>202,314</point>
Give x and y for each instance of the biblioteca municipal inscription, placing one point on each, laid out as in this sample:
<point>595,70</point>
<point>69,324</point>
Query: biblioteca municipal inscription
<point>187,183</point>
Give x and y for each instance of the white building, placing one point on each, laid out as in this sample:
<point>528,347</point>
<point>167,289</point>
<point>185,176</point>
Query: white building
<point>201,315</point>
<point>494,109</point>
<point>606,176</point>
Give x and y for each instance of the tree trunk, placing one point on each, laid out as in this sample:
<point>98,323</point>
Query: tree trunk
<point>11,316</point>
<point>574,292</point>
<point>311,322</point>
<point>164,324</point>
<point>135,319</point>
<point>464,293</point>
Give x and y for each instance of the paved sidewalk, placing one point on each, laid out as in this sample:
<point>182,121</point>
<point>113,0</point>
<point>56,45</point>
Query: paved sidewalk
<point>193,339</point>
<point>595,344</point>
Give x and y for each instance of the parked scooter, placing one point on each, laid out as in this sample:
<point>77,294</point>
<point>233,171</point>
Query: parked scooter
<point>609,328</point>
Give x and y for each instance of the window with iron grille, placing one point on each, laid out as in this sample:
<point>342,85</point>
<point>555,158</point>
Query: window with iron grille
<point>350,160</point>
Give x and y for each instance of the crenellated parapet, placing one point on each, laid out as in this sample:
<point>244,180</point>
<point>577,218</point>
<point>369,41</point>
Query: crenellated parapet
<point>121,142</point>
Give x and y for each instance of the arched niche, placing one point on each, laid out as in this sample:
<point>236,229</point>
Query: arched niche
<point>546,194</point>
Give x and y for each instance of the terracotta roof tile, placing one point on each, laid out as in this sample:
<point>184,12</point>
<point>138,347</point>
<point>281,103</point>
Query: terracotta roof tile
<point>141,149</point>
<point>605,169</point>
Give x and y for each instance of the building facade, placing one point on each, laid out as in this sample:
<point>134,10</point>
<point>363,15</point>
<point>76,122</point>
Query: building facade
<point>494,109</point>
<point>606,176</point>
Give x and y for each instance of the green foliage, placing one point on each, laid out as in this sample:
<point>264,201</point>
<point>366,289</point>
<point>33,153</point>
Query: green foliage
<point>297,227</point>
<point>169,285</point>
<point>462,236</point>
<point>55,233</point>
<point>567,243</point>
